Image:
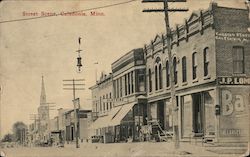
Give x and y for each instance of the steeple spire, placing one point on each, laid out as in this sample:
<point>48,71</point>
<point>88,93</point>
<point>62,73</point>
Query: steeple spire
<point>43,95</point>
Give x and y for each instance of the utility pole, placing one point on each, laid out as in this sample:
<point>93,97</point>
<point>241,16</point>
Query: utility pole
<point>169,45</point>
<point>49,107</point>
<point>76,108</point>
<point>36,119</point>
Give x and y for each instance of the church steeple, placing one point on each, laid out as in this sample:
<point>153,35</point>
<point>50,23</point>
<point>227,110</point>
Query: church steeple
<point>43,95</point>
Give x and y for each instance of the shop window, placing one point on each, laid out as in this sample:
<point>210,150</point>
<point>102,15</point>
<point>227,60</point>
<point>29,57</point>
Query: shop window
<point>175,70</point>
<point>167,74</point>
<point>194,65</point>
<point>238,60</point>
<point>150,80</point>
<point>206,60</point>
<point>184,69</point>
<point>156,78</point>
<point>160,77</point>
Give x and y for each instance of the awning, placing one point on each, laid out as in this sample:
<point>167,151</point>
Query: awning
<point>100,122</point>
<point>113,118</point>
<point>116,120</point>
<point>104,121</point>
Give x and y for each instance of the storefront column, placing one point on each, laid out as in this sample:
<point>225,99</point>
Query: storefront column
<point>179,117</point>
<point>217,126</point>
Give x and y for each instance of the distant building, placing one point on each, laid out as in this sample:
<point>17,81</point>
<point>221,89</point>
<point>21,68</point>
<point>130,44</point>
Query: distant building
<point>84,117</point>
<point>121,98</point>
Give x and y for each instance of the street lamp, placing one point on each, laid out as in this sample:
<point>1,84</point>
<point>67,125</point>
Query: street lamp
<point>79,58</point>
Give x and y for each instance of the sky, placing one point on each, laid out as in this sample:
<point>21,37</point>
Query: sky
<point>47,46</point>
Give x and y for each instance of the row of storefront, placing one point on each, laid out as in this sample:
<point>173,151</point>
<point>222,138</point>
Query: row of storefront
<point>211,80</point>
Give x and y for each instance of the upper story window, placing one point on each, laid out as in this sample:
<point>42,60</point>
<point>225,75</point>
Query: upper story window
<point>238,60</point>
<point>194,65</point>
<point>184,69</point>
<point>126,82</point>
<point>149,80</point>
<point>156,78</point>
<point>167,74</point>
<point>118,88</point>
<point>132,82</point>
<point>158,74</point>
<point>141,80</point>
<point>175,70</point>
<point>121,86</point>
<point>100,103</point>
<point>206,60</point>
<point>129,83</point>
<point>160,77</point>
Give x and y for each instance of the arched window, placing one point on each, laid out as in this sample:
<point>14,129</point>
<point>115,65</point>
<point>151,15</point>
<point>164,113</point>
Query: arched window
<point>150,80</point>
<point>184,69</point>
<point>175,70</point>
<point>156,78</point>
<point>206,60</point>
<point>194,64</point>
<point>167,74</point>
<point>160,77</point>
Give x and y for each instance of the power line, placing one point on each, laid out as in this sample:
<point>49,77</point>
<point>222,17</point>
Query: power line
<point>95,8</point>
<point>166,11</point>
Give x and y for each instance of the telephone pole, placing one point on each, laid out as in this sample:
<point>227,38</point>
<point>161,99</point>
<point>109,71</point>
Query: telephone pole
<point>166,9</point>
<point>75,100</point>
<point>49,107</point>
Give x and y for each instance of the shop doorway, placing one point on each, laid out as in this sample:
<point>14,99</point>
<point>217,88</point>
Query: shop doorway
<point>198,115</point>
<point>160,114</point>
<point>72,133</point>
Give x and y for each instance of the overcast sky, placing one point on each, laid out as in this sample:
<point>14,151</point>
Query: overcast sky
<point>46,46</point>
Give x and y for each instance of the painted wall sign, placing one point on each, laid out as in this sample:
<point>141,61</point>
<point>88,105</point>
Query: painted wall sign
<point>234,80</point>
<point>233,36</point>
<point>234,112</point>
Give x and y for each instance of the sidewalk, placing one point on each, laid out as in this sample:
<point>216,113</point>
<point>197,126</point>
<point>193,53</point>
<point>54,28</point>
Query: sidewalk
<point>144,149</point>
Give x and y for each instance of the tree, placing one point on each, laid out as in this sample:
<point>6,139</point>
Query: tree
<point>8,138</point>
<point>19,131</point>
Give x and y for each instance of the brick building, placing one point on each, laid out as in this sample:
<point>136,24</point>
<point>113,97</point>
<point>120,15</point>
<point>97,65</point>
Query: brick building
<point>84,120</point>
<point>211,72</point>
<point>119,98</point>
<point>211,63</point>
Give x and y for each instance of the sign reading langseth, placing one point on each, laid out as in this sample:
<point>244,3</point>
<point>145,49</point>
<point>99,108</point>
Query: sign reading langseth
<point>229,80</point>
<point>233,36</point>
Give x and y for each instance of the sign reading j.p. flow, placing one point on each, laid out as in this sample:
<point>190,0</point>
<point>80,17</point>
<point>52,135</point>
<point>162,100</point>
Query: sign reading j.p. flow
<point>234,80</point>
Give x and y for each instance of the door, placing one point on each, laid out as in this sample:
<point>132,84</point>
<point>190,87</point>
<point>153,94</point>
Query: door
<point>198,114</point>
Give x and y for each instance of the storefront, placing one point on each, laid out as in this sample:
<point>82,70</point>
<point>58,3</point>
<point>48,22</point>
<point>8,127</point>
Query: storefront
<point>198,119</point>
